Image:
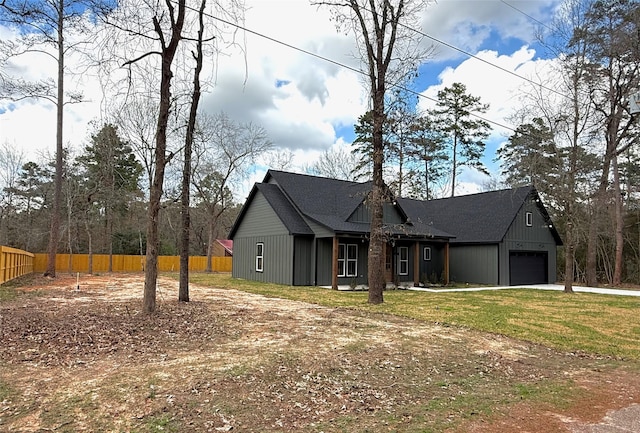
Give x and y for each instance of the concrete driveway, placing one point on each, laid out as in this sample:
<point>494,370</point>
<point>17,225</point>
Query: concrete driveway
<point>557,287</point>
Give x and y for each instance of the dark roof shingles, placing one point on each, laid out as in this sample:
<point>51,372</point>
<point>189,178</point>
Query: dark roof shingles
<point>475,218</point>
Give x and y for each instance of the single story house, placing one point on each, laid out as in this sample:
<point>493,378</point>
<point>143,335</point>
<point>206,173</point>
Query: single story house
<point>298,229</point>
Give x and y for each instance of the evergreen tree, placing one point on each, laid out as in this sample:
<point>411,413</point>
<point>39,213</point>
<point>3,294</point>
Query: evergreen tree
<point>112,175</point>
<point>427,147</point>
<point>525,158</point>
<point>454,116</point>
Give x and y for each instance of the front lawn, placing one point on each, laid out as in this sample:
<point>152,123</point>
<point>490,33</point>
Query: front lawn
<point>598,324</point>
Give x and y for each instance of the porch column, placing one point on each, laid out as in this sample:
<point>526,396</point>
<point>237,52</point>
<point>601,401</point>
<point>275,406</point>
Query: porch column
<point>416,265</point>
<point>446,263</point>
<point>334,264</point>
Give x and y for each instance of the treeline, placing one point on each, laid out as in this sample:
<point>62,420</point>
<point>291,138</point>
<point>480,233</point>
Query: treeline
<point>105,202</point>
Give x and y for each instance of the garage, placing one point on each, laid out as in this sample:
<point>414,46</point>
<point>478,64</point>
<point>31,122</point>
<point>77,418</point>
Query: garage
<point>528,267</point>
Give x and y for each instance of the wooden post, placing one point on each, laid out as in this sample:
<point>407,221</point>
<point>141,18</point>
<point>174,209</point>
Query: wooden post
<point>416,265</point>
<point>446,263</point>
<point>334,264</point>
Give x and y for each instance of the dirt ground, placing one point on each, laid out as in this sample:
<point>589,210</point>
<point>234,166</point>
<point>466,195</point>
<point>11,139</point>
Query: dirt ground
<point>81,357</point>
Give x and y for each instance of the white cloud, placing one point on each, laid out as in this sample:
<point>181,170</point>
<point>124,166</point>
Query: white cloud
<point>302,100</point>
<point>467,24</point>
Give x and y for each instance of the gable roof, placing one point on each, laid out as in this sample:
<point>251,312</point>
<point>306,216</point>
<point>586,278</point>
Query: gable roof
<point>331,203</point>
<point>477,218</point>
<point>320,198</point>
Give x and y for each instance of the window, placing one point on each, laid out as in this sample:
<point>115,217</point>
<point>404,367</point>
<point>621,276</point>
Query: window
<point>426,254</point>
<point>528,219</point>
<point>259,257</point>
<point>403,260</point>
<point>347,260</point>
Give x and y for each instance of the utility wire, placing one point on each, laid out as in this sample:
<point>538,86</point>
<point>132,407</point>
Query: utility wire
<point>335,62</point>
<point>527,15</point>
<point>466,53</point>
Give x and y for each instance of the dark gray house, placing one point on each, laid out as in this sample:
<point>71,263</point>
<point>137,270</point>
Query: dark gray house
<point>305,230</point>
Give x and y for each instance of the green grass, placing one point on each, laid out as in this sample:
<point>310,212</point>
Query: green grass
<point>580,322</point>
<point>13,289</point>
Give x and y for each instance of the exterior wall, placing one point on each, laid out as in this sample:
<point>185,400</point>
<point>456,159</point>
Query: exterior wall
<point>534,238</point>
<point>474,264</point>
<point>363,214</point>
<point>261,224</point>
<point>324,254</point>
<point>303,261</point>
<point>220,251</point>
<point>260,218</point>
<point>431,270</point>
<point>408,277</point>
<point>277,256</point>
<point>323,261</point>
<point>320,230</point>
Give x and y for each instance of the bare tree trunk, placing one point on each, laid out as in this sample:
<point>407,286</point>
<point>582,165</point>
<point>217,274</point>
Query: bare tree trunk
<point>110,235</point>
<point>376,274</point>
<point>210,232</point>
<point>155,195</point>
<point>89,245</point>
<point>617,272</point>
<point>454,154</point>
<point>57,195</point>
<point>183,291</point>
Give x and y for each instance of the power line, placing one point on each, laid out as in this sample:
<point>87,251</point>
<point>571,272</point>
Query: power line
<point>526,15</point>
<point>460,50</point>
<point>335,62</point>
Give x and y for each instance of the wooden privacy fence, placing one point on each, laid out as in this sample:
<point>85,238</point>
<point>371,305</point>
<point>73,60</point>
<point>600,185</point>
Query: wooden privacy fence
<point>14,263</point>
<point>121,263</point>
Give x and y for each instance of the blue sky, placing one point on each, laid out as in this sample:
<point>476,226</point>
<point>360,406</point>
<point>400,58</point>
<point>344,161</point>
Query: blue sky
<point>307,105</point>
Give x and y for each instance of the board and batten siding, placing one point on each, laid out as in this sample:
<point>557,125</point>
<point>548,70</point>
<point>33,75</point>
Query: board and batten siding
<point>474,264</point>
<point>277,259</point>
<point>261,225</point>
<point>534,238</point>
<point>303,257</point>
<point>431,271</point>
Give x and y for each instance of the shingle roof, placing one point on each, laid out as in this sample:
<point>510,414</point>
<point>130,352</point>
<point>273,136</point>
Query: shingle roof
<point>331,202</point>
<point>476,218</point>
<point>320,197</point>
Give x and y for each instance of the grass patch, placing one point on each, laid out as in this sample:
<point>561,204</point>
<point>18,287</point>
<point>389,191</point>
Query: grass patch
<point>579,322</point>
<point>162,423</point>
<point>6,391</point>
<point>7,293</point>
<point>14,288</point>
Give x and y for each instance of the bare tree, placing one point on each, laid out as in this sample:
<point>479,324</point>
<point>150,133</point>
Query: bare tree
<point>611,36</point>
<point>280,159</point>
<point>335,163</point>
<point>183,291</point>
<point>154,32</point>
<point>11,162</point>
<point>45,24</point>
<point>566,124</point>
<point>389,49</point>
<point>228,149</point>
